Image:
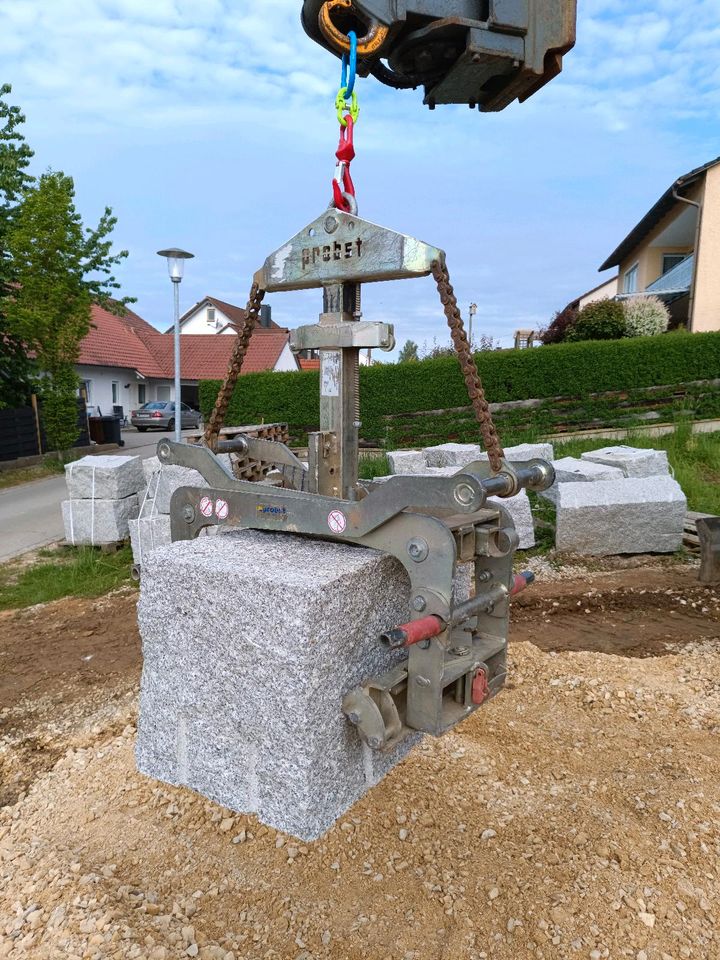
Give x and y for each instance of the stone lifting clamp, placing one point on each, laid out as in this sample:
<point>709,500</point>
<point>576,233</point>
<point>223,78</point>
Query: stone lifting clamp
<point>453,650</point>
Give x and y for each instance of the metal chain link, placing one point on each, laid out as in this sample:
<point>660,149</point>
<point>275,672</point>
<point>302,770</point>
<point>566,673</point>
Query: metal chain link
<point>473,382</point>
<point>217,417</point>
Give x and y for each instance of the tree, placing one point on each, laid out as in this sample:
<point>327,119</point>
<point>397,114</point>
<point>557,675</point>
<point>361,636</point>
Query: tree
<point>409,352</point>
<point>60,269</point>
<point>561,325</point>
<point>599,320</point>
<point>17,369</point>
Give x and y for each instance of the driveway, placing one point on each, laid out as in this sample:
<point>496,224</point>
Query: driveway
<point>30,514</point>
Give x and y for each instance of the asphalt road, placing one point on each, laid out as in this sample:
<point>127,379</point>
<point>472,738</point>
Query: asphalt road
<point>30,514</point>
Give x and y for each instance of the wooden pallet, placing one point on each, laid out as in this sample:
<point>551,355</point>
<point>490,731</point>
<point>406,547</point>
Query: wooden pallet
<point>690,534</point>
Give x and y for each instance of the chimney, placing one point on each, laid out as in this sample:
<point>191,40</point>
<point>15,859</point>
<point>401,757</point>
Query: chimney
<point>265,315</point>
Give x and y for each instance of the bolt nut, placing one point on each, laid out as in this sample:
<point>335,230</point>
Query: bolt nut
<point>331,224</point>
<point>418,549</point>
<point>354,718</point>
<point>374,743</point>
<point>419,604</point>
<point>189,514</point>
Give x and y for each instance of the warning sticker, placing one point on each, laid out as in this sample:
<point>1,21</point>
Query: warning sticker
<point>337,521</point>
<point>221,509</point>
<point>206,507</point>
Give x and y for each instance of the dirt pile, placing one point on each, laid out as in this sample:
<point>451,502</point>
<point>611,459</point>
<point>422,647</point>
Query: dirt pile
<point>577,816</point>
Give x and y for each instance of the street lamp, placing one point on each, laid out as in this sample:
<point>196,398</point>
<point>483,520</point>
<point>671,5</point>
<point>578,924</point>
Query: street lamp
<point>176,267</point>
<point>472,311</point>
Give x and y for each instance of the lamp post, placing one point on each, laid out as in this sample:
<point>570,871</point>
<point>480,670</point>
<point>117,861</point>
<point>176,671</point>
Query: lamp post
<point>176,267</point>
<point>472,311</point>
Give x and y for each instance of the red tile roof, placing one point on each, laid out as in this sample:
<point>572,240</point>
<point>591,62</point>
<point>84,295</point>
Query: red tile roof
<point>308,364</point>
<point>131,342</point>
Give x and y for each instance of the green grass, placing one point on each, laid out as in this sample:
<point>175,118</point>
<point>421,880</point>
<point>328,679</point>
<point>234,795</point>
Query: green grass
<point>694,457</point>
<point>67,572</point>
<point>373,466</point>
<point>49,468</point>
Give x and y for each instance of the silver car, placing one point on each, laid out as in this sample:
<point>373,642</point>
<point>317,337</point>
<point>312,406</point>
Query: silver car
<point>160,415</point>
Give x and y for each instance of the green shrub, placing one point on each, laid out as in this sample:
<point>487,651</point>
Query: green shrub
<point>562,370</point>
<point>645,316</point>
<point>59,408</point>
<point>600,320</point>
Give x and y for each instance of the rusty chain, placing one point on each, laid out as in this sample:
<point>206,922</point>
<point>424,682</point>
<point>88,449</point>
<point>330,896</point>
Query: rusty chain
<point>475,390</point>
<point>217,417</point>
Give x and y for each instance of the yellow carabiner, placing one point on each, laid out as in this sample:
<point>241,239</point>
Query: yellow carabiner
<point>367,46</point>
<point>341,106</point>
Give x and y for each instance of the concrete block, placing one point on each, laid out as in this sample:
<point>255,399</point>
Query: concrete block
<point>104,477</point>
<point>633,461</point>
<point>94,522</point>
<point>452,454</point>
<point>632,515</point>
<point>147,533</point>
<point>521,514</point>
<point>242,685</point>
<point>170,479</point>
<point>574,470</point>
<point>407,461</point>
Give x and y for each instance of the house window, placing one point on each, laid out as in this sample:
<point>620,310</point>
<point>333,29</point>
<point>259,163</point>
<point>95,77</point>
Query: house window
<point>671,260</point>
<point>115,392</point>
<point>141,394</point>
<point>630,280</point>
<point>211,316</point>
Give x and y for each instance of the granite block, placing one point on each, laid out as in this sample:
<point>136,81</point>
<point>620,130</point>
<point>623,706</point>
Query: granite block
<point>632,515</point>
<point>170,479</point>
<point>94,522</point>
<point>521,515</point>
<point>250,716</point>
<point>574,470</point>
<point>151,466</point>
<point>103,477</point>
<point>403,462</point>
<point>452,454</point>
<point>633,461</point>
<point>147,533</point>
<point>526,451</point>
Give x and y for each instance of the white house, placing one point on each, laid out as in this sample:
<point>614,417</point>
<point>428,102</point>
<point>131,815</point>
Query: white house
<point>211,315</point>
<point>125,362</point>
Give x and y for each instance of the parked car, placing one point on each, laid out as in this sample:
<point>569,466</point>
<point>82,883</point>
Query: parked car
<point>160,415</point>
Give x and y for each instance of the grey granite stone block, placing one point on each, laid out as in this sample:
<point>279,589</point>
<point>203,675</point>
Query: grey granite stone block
<point>526,451</point>
<point>521,514</point>
<point>104,477</point>
<point>94,522</point>
<point>151,466</point>
<point>405,462</point>
<point>242,685</point>
<point>574,470</point>
<point>452,454</point>
<point>632,515</point>
<point>633,461</point>
<point>171,478</point>
<point>147,533</point>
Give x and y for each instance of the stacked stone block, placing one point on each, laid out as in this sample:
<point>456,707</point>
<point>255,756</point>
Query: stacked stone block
<point>102,499</point>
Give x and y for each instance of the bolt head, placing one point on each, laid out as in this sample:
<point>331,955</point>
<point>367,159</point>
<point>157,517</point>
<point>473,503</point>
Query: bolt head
<point>189,514</point>
<point>354,718</point>
<point>419,604</point>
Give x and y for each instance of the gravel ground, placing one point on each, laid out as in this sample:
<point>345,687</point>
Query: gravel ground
<point>577,816</point>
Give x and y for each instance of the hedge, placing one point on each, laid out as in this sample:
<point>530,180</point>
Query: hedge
<point>561,370</point>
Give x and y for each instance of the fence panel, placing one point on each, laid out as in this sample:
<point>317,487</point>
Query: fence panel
<point>18,433</point>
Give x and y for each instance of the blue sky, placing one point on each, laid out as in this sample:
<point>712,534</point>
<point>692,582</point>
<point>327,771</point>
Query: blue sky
<point>210,125</point>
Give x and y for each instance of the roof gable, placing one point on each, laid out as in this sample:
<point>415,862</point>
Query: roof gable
<point>656,213</point>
